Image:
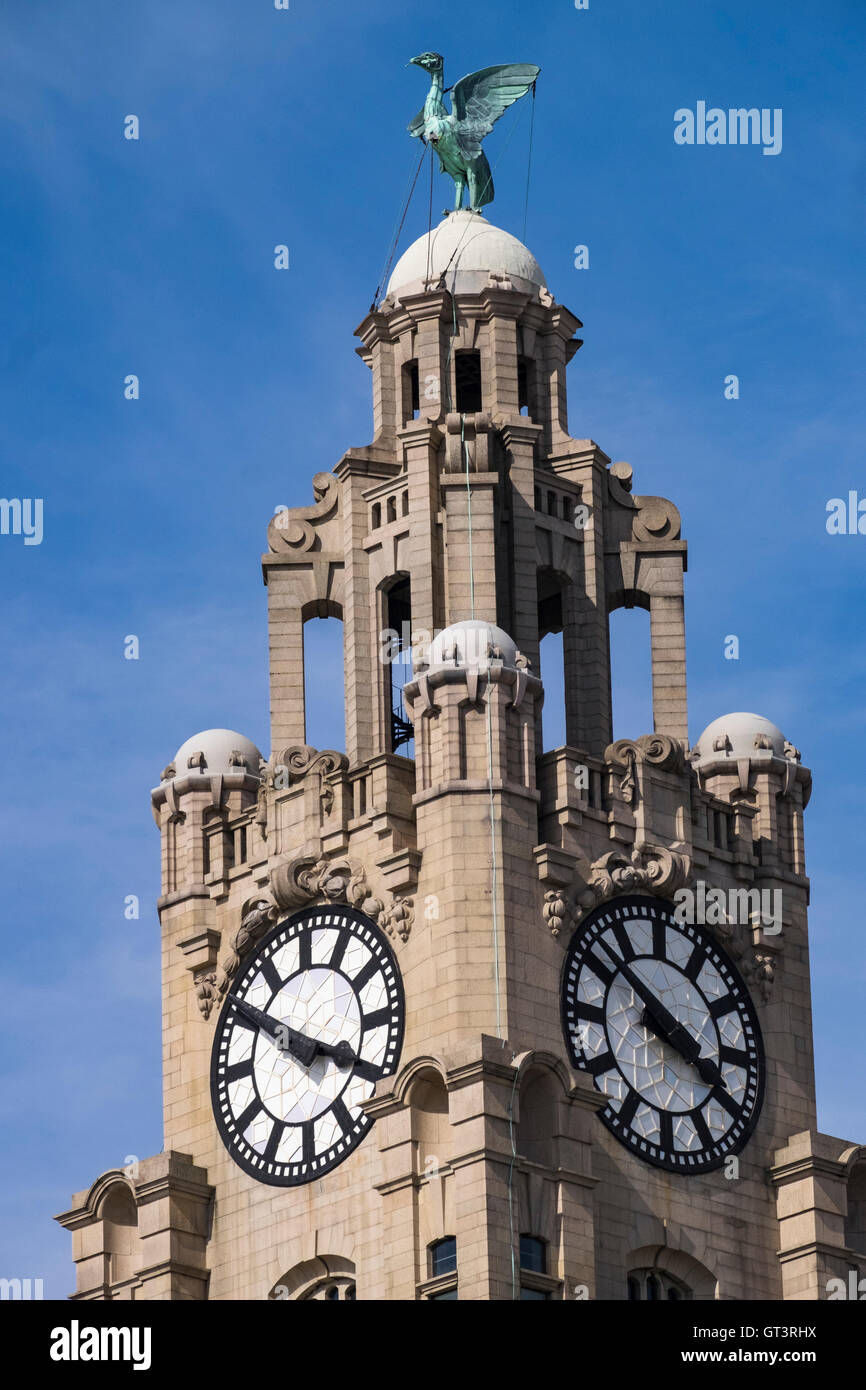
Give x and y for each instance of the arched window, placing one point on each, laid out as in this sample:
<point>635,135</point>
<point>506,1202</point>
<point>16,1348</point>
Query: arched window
<point>655,1286</point>
<point>324,683</point>
<point>398,619</point>
<point>631,673</point>
<point>442,1270</point>
<point>120,1227</point>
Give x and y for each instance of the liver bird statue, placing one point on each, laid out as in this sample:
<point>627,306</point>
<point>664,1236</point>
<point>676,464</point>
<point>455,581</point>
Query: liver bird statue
<point>478,101</point>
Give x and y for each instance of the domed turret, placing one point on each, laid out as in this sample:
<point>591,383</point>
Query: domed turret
<point>732,737</point>
<point>472,254</point>
<point>471,645</point>
<point>215,752</point>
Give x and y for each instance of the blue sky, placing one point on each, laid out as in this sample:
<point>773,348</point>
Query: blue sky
<point>155,257</point>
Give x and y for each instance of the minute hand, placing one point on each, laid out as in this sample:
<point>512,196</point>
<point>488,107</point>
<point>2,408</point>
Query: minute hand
<point>669,1028</point>
<point>290,1040</point>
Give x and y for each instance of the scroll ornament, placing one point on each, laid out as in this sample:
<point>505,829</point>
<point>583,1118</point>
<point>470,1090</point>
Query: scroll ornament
<point>648,868</point>
<point>294,528</point>
<point>294,884</point>
<point>659,749</point>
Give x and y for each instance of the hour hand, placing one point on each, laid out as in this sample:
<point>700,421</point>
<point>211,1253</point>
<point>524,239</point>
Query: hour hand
<point>666,1027</point>
<point>286,1038</point>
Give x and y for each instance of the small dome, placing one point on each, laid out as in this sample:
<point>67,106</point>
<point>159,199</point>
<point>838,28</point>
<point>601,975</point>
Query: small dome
<point>739,736</point>
<point>472,643</point>
<point>217,751</point>
<point>466,248</point>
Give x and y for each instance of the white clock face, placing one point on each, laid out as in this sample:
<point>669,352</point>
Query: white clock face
<point>657,1013</point>
<point>314,1019</point>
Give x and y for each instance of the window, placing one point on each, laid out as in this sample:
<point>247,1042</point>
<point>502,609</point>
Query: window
<point>398,602</point>
<point>526,386</point>
<point>467,375</point>
<point>655,1286</point>
<point>533,1254</point>
<point>392,508</point>
<point>376,519</point>
<point>411,394</point>
<point>241,845</point>
<point>443,1256</point>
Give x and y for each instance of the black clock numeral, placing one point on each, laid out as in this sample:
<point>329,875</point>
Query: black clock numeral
<point>628,1109</point>
<point>726,1005</point>
<point>695,964</point>
<point>365,974</point>
<point>734,1055</point>
<point>596,1065</point>
<point>238,1070</point>
<point>659,939</point>
<point>701,1128</point>
<point>305,950</point>
<point>339,951</point>
<point>376,1020</point>
<point>276,1134</point>
<point>243,1122</point>
<point>342,1116</point>
<point>726,1101</point>
<point>309,1142</point>
<point>666,1130</point>
<point>368,1071</point>
<point>590,1013</point>
<point>604,972</point>
<point>271,976</point>
<point>623,941</point>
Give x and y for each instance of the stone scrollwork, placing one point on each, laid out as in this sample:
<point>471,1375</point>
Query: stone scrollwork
<point>647,868</point>
<point>655,518</point>
<point>623,756</point>
<point>294,528</point>
<point>258,915</point>
<point>763,973</point>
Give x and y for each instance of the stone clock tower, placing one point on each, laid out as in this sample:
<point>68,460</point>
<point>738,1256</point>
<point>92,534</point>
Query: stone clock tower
<point>451,1013</point>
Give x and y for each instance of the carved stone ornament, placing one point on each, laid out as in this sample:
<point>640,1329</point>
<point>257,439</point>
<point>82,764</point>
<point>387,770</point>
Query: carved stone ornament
<point>257,917</point>
<point>293,765</point>
<point>294,528</point>
<point>659,749</point>
<point>655,518</point>
<point>762,973</point>
<point>647,868</point>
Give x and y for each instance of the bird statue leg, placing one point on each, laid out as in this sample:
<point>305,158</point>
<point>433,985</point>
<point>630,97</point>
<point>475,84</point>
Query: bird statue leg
<point>459,185</point>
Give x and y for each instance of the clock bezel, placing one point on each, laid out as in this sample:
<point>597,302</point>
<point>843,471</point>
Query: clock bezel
<point>644,1150</point>
<point>293,925</point>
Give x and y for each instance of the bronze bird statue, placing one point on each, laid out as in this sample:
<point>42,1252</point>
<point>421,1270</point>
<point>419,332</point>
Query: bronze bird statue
<point>478,101</point>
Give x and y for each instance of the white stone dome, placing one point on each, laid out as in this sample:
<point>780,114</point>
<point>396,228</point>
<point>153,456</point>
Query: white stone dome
<point>217,751</point>
<point>466,248</point>
<point>739,735</point>
<point>472,644</point>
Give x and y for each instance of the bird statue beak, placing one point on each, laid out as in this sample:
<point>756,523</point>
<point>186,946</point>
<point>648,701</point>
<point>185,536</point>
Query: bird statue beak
<point>413,60</point>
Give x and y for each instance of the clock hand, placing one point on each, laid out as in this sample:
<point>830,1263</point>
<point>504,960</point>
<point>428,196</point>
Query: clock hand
<point>290,1040</point>
<point>666,1026</point>
<point>286,1038</point>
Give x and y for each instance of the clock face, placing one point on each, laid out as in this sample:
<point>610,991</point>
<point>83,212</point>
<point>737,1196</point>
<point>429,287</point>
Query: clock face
<point>314,1019</point>
<point>659,1016</point>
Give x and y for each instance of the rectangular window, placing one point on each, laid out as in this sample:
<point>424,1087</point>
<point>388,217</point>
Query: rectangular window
<point>467,373</point>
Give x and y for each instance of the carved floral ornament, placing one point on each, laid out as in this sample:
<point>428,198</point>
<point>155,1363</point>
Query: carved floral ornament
<point>296,883</point>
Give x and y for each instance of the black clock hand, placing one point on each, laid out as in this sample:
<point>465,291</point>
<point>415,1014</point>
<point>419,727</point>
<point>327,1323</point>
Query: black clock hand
<point>290,1040</point>
<point>666,1026</point>
<point>286,1038</point>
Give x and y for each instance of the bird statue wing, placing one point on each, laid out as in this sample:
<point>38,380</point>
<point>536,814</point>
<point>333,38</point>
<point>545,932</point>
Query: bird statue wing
<point>482,97</point>
<point>416,126</point>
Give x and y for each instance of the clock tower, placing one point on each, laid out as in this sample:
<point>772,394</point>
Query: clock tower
<point>453,1013</point>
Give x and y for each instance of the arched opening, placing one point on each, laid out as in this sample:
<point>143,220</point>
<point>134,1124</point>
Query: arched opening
<point>324,683</point>
<point>551,659</point>
<point>398,620</point>
<point>540,1091</point>
<point>120,1226</point>
<point>325,1278</point>
<point>526,388</point>
<point>431,1129</point>
<point>630,673</point>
